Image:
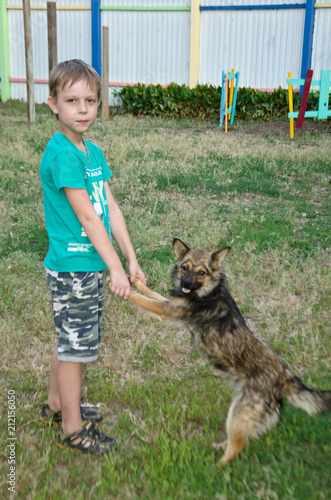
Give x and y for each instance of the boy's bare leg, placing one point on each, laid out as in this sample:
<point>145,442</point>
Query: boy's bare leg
<point>69,380</point>
<point>53,394</point>
<point>65,392</point>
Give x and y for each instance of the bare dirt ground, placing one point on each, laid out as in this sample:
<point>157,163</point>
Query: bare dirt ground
<point>283,127</point>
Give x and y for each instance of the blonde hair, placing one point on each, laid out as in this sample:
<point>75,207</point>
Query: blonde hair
<point>71,72</point>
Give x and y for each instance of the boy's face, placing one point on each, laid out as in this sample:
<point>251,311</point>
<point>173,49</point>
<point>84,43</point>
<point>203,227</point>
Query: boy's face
<point>76,106</point>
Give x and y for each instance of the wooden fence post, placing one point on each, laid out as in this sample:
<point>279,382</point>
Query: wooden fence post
<point>29,61</point>
<point>52,35</point>
<point>105,72</point>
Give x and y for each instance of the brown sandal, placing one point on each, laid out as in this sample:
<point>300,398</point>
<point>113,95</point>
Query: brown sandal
<point>91,440</point>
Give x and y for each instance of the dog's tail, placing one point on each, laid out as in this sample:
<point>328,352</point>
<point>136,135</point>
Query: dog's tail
<point>313,402</point>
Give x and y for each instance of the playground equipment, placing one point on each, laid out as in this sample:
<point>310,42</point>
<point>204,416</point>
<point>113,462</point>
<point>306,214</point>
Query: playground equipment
<point>225,111</point>
<point>323,111</point>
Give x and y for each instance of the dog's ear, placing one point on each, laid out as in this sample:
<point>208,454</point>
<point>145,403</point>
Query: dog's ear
<point>180,248</point>
<point>218,257</point>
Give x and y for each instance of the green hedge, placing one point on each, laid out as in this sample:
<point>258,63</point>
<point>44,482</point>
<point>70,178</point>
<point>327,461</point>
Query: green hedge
<point>178,101</point>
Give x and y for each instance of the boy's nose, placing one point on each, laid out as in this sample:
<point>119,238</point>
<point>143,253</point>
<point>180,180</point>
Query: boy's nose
<point>82,107</point>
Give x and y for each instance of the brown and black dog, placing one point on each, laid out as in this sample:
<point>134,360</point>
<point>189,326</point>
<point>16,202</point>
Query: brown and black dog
<point>201,301</point>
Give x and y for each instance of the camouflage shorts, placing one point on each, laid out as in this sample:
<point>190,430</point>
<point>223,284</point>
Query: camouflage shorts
<point>77,300</point>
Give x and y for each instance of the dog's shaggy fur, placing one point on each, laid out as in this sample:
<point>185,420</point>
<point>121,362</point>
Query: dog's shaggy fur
<point>201,300</point>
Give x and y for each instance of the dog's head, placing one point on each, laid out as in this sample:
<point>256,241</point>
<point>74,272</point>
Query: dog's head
<point>196,271</point>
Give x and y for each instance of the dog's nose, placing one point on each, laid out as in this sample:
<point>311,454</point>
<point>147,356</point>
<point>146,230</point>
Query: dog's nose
<point>187,284</point>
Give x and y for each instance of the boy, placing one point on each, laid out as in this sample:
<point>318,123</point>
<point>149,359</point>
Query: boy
<point>81,217</point>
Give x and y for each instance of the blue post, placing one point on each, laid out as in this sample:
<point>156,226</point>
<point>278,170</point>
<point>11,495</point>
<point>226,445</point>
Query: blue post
<point>222,107</point>
<point>96,35</point>
<point>308,35</point>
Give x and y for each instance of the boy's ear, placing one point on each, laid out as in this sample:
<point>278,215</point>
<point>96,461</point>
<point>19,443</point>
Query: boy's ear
<point>52,104</point>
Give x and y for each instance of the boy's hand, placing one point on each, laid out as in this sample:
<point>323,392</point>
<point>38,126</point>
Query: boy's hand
<point>135,272</point>
<point>120,284</point>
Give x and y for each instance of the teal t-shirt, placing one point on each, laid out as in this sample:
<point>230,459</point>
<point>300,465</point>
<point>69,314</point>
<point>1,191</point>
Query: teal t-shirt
<point>64,165</point>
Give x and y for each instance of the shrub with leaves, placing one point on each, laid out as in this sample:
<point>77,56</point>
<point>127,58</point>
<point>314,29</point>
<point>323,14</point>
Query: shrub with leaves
<point>179,101</point>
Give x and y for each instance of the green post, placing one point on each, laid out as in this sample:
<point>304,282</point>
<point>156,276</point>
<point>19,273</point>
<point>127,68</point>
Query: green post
<point>323,103</point>
<point>4,51</point>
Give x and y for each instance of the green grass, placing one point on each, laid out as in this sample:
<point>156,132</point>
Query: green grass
<point>253,189</point>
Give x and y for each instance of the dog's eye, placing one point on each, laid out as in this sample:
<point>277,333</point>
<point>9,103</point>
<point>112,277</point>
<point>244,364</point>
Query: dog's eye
<point>201,273</point>
<point>184,267</point>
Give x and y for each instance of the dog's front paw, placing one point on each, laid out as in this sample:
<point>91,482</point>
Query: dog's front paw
<point>138,284</point>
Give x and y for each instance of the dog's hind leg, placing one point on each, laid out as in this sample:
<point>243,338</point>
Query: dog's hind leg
<point>250,416</point>
<point>237,435</point>
<point>236,442</point>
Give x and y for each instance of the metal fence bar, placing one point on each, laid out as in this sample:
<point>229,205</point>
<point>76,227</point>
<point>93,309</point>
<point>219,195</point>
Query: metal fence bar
<point>4,52</point>
<point>308,36</point>
<point>254,7</point>
<point>96,35</point>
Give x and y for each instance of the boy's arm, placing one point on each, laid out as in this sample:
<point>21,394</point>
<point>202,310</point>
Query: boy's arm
<point>121,235</point>
<point>98,236</point>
